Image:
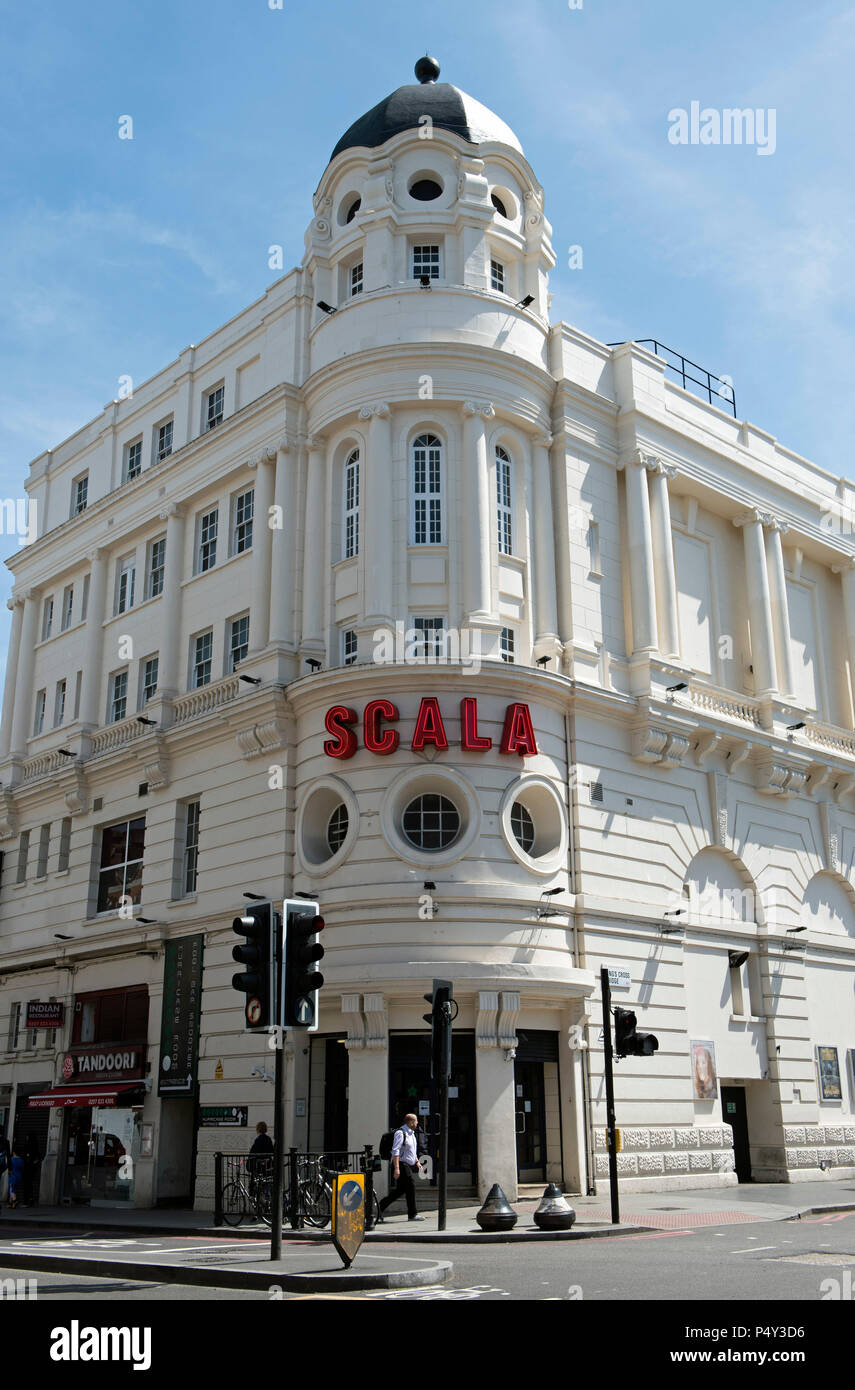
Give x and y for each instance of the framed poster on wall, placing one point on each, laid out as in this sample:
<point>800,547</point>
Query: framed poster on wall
<point>829,1074</point>
<point>704,1074</point>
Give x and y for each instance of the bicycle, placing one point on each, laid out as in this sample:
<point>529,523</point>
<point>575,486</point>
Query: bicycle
<point>316,1195</point>
<point>247,1192</point>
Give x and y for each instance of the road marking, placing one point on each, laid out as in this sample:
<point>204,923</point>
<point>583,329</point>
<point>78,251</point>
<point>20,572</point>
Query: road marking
<point>656,1235</point>
<point>835,1216</point>
<point>752,1249</point>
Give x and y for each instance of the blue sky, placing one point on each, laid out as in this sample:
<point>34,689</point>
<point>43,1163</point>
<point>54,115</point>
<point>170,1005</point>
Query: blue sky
<point>118,253</point>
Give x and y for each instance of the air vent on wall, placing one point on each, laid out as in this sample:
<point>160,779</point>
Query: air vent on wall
<point>143,789</point>
<point>596,791</point>
<point>97,803</point>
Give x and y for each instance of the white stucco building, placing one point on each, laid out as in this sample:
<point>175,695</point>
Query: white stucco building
<point>394,438</point>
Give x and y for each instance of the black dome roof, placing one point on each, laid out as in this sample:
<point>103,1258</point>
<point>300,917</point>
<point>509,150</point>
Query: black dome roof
<point>448,108</point>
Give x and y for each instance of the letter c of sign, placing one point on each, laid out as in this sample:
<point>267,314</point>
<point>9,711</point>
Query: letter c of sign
<point>343,742</point>
<point>374,741</point>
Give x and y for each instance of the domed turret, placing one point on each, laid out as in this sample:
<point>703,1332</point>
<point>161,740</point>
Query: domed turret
<point>406,109</point>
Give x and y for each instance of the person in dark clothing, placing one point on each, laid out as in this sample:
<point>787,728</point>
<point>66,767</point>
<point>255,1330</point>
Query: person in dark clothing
<point>32,1158</point>
<point>5,1161</point>
<point>260,1161</point>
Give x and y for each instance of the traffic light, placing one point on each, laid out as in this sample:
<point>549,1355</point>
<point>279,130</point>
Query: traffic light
<point>302,951</point>
<point>628,1042</point>
<point>258,982</point>
<point>441,1000</point>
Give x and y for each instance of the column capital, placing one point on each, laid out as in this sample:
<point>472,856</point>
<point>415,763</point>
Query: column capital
<point>18,599</point>
<point>381,411</point>
<point>265,455</point>
<point>637,459</point>
<point>485,409</point>
<point>751,517</point>
<point>315,443</point>
<point>284,444</point>
<point>543,440</point>
<point>845,565</point>
<point>99,553</point>
<point>773,524</point>
<point>657,465</point>
<point>174,509</point>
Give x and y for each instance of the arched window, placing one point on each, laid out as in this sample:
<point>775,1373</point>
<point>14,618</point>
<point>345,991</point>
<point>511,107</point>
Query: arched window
<point>504,499</point>
<point>351,505</point>
<point>427,490</point>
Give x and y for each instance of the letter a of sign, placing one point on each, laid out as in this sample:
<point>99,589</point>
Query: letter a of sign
<point>518,733</point>
<point>429,726</point>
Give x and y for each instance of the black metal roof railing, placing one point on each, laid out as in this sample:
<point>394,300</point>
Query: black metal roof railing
<point>680,369</point>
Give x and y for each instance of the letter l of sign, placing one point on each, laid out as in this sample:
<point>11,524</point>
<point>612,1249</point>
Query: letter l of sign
<point>470,739</point>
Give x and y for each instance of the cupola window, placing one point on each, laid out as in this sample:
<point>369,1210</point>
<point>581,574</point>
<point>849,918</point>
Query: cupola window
<point>425,190</point>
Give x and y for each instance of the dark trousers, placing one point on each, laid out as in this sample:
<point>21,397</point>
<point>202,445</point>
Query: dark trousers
<point>405,1187</point>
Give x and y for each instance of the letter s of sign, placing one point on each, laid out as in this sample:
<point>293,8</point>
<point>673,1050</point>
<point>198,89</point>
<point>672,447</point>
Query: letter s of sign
<point>374,741</point>
<point>343,742</point>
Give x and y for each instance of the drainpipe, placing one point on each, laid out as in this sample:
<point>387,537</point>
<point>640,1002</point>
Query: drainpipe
<point>578,940</point>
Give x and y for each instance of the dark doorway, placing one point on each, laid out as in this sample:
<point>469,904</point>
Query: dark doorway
<point>335,1096</point>
<point>411,1089</point>
<point>536,1049</point>
<point>735,1114</point>
<point>31,1132</point>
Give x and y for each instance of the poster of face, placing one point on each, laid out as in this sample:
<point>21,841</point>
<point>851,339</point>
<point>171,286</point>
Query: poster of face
<point>703,1070</point>
<point>829,1074</point>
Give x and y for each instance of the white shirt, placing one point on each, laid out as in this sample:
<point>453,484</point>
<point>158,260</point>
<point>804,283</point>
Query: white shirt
<point>404,1145</point>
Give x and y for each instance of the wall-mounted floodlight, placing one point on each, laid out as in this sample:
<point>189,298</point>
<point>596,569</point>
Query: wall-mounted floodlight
<point>250,680</point>
<point>327,308</point>
<point>524,302</point>
<point>424,282</point>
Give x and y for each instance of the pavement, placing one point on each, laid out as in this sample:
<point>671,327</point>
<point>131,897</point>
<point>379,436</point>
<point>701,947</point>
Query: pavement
<point>679,1210</point>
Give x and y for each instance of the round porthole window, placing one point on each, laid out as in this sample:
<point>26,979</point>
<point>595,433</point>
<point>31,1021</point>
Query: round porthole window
<point>353,209</point>
<point>534,823</point>
<point>431,822</point>
<point>327,825</point>
<point>337,828</point>
<point>522,826</point>
<point>499,205</point>
<point>425,189</point>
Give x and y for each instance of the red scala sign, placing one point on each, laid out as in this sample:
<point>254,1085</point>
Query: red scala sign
<point>378,737</point>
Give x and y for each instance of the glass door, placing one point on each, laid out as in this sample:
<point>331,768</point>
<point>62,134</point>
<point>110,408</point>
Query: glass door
<point>411,1090</point>
<point>530,1121</point>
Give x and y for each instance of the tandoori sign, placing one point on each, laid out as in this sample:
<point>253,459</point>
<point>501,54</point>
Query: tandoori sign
<point>378,737</point>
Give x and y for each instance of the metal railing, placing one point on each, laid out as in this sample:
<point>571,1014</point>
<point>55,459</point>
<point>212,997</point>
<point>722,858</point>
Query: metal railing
<point>727,395</point>
<point>243,1186</point>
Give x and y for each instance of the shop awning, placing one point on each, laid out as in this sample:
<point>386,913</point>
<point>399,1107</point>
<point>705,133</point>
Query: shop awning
<point>109,1094</point>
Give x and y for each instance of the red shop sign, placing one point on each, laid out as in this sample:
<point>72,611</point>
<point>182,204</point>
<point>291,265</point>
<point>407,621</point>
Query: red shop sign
<point>379,737</point>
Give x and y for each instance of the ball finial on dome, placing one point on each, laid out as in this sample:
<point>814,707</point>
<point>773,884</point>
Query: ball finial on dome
<point>427,69</point>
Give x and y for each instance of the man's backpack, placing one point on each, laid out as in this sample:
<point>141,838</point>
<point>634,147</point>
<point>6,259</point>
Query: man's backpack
<point>386,1142</point>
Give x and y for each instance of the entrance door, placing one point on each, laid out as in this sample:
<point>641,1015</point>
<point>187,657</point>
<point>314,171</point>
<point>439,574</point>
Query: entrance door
<point>97,1143</point>
<point>535,1075</point>
<point>335,1095</point>
<point>735,1114</point>
<point>411,1090</point>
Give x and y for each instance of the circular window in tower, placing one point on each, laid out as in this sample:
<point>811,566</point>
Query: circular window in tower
<point>522,825</point>
<point>499,205</point>
<point>337,827</point>
<point>431,822</point>
<point>424,188</point>
<point>533,818</point>
<point>327,825</point>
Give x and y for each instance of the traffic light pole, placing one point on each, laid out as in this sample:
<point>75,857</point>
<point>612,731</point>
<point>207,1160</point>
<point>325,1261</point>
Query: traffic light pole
<point>276,1213</point>
<point>443,1149</point>
<point>605,989</point>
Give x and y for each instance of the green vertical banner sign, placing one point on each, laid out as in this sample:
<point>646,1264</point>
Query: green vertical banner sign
<point>182,1006</point>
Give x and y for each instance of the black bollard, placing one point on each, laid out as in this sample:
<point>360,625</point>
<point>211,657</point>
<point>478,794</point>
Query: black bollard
<point>497,1214</point>
<point>554,1212</point>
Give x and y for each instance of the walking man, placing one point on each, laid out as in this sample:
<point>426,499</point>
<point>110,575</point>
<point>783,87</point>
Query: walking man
<point>405,1162</point>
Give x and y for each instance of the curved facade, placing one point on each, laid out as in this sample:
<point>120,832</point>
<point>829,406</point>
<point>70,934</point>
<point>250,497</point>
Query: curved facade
<point>519,658</point>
